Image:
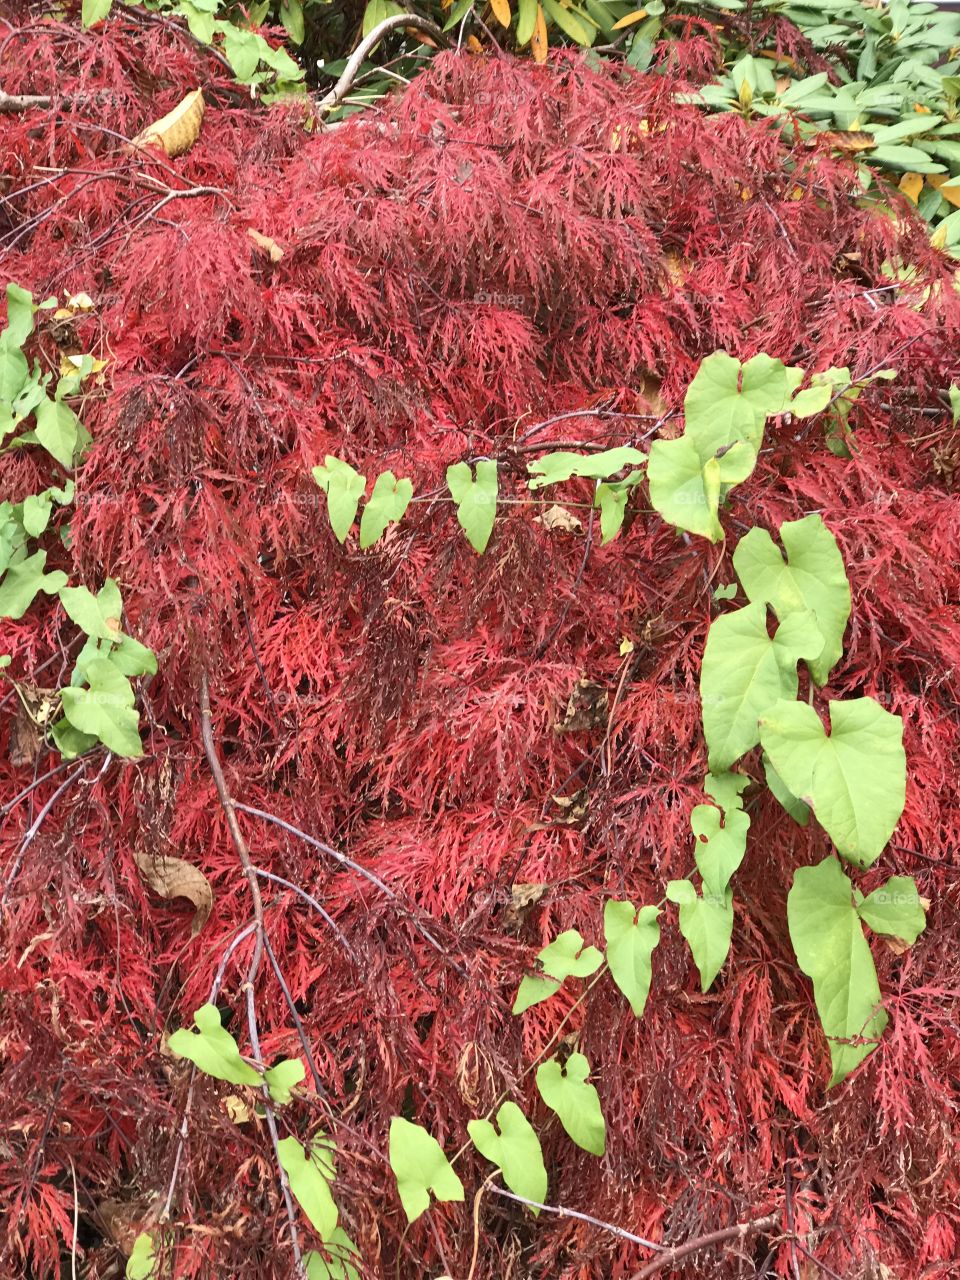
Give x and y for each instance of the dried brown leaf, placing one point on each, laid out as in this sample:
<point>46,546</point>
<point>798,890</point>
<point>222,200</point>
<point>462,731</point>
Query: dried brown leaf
<point>178,130</point>
<point>175,878</point>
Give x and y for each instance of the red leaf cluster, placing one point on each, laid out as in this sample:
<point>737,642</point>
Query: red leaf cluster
<point>504,258</point>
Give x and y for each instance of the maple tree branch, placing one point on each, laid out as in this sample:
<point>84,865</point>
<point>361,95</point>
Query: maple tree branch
<point>13,102</point>
<point>563,1212</point>
<point>359,55</point>
<point>739,1231</point>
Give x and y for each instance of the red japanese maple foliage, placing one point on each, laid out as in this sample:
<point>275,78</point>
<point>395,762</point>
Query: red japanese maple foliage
<point>503,258</point>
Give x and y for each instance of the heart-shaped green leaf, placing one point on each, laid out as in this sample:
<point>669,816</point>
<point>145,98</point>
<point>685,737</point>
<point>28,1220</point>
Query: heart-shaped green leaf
<point>309,1175</point>
<point>515,1149</point>
<point>631,937</point>
<point>565,1091</point>
<point>343,486</point>
<point>212,1048</point>
<point>420,1166</point>
<point>707,924</point>
<point>475,499</point>
<point>386,505</point>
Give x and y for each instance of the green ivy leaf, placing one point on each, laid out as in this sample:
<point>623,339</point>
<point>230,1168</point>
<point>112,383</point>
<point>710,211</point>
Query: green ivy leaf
<point>686,486</point>
<point>831,950</point>
<point>707,924</point>
<point>476,500</point>
<point>19,314</point>
<point>894,909</point>
<point>515,1149</point>
<point>854,780</point>
<point>341,1262</point>
<point>813,578</point>
<point>105,709</point>
<point>553,468</point>
<point>577,1105</point>
<point>565,957</point>
<point>96,615</point>
<point>57,430</point>
<point>727,788</point>
<point>309,1177</point>
<point>420,1166</point>
<point>745,672</point>
<point>284,1077</point>
<point>386,505</point>
<point>23,581</point>
<point>291,15</point>
<point>213,1049</point>
<point>728,401</point>
<point>36,513</point>
<point>133,658</point>
<point>631,936</point>
<point>343,486</point>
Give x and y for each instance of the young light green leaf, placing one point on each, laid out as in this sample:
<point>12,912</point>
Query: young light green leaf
<point>813,578</point>
<point>612,501</point>
<point>707,925</point>
<point>96,615</point>
<point>36,513</point>
<point>631,937</point>
<point>420,1166</point>
<point>105,709</point>
<point>93,11</point>
<point>57,430</point>
<point>686,487</point>
<point>14,370</point>
<point>284,1077</point>
<point>553,468</point>
<point>894,909</point>
<point>132,658</point>
<point>344,488</point>
<point>854,780</point>
<point>721,842</point>
<point>341,1262</point>
<point>309,1176</point>
<point>71,742</point>
<point>23,581</point>
<point>745,672</point>
<point>386,505</point>
<point>726,591</point>
<point>727,788</point>
<point>565,957</point>
<point>476,500</point>
<point>831,950</point>
<point>212,1048</point>
<point>565,1091</point>
<point>142,1263</point>
<point>291,15</point>
<point>797,810</point>
<point>955,403</point>
<point>727,401</point>
<point>19,314</point>
<point>516,1149</point>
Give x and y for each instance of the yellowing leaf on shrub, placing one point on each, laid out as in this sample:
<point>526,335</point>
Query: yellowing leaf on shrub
<point>637,16</point>
<point>501,11</point>
<point>538,41</point>
<point>178,130</point>
<point>911,184</point>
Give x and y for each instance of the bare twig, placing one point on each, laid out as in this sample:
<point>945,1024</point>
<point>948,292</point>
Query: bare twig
<point>13,102</point>
<point>370,42</point>
<point>309,898</point>
<point>37,823</point>
<point>740,1231</point>
<point>562,1212</point>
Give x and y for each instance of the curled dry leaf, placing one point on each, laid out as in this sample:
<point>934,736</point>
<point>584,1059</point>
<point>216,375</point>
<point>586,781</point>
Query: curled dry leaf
<point>175,878</point>
<point>558,519</point>
<point>266,243</point>
<point>178,130</point>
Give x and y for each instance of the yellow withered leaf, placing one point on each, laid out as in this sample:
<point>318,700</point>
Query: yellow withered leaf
<point>175,878</point>
<point>266,243</point>
<point>177,131</point>
<point>949,187</point>
<point>847,140</point>
<point>911,184</point>
<point>501,11</point>
<point>539,45</point>
<point>638,15</point>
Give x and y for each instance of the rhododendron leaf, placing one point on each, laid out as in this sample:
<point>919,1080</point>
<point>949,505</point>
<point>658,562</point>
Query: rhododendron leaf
<point>341,1262</point>
<point>282,1078</point>
<point>526,20</point>
<point>797,810</point>
<point>686,487</point>
<point>57,430</point>
<point>573,23</point>
<point>212,1048</point>
<point>553,468</point>
<point>828,939</point>
<point>19,314</point>
<point>854,779</point>
<point>894,909</point>
<point>631,937</point>
<point>96,615</point>
<point>565,957</point>
<point>344,488</point>
<point>812,578</point>
<point>516,1149</point>
<point>420,1166</point>
<point>721,842</point>
<point>565,1091</point>
<point>745,672</point>
<point>728,401</point>
<point>23,581</point>
<point>309,1178</point>
<point>386,505</point>
<point>476,500</point>
<point>707,924</point>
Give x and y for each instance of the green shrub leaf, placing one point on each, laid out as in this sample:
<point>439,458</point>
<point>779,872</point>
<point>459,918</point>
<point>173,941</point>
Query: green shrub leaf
<point>343,486</point>
<point>854,780</point>
<point>631,936</point>
<point>553,468</point>
<point>707,924</point>
<point>515,1149</point>
<point>831,950</point>
<point>386,505</point>
<point>309,1175</point>
<point>420,1166</point>
<point>894,909</point>
<point>565,1091</point>
<point>475,499</point>
<point>212,1048</point>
